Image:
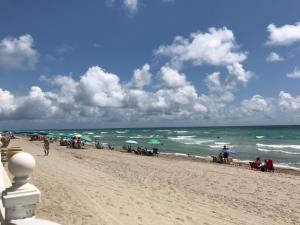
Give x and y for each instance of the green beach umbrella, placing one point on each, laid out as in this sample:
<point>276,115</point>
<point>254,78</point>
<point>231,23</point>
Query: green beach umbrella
<point>153,142</point>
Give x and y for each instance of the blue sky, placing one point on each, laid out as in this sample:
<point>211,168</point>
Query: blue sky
<point>116,63</point>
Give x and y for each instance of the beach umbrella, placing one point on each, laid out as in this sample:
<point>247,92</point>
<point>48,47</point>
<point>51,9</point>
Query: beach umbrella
<point>86,138</point>
<point>231,151</point>
<point>50,136</point>
<point>77,135</point>
<point>153,142</point>
<point>132,142</point>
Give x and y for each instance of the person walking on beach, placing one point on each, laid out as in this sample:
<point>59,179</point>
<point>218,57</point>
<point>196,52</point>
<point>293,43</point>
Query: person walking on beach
<point>46,147</point>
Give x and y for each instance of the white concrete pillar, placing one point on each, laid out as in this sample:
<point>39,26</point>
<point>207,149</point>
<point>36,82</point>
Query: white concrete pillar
<point>20,200</point>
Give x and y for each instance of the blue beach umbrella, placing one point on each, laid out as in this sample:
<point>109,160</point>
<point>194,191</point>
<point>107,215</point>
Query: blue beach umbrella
<point>231,151</point>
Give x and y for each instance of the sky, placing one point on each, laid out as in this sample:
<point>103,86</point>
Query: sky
<point>139,63</point>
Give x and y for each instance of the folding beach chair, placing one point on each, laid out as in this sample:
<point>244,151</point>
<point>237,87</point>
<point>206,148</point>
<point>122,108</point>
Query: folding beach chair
<point>155,151</point>
<point>269,165</point>
<point>253,165</point>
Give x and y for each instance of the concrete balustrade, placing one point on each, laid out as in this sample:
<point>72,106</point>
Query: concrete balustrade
<point>19,200</point>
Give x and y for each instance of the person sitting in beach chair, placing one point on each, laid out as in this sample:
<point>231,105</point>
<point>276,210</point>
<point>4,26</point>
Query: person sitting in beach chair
<point>214,158</point>
<point>256,164</point>
<point>269,167</point>
<point>220,158</point>
<point>98,145</point>
<point>155,151</point>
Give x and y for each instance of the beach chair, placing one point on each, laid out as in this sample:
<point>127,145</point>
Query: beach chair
<point>155,152</point>
<point>110,147</point>
<point>253,165</point>
<point>214,158</point>
<point>269,165</point>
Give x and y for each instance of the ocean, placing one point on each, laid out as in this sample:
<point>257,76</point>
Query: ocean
<point>279,143</point>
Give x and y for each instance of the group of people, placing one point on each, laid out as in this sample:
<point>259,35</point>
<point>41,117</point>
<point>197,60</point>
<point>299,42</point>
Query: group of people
<point>267,165</point>
<point>99,145</point>
<point>141,150</point>
<point>223,156</point>
<point>76,143</point>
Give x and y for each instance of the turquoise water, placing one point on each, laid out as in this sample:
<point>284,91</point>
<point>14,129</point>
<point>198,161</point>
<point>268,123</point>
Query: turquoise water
<point>280,143</point>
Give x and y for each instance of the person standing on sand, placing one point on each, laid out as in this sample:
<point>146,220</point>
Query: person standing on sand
<point>46,147</point>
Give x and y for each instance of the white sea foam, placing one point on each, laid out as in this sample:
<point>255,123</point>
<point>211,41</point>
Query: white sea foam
<point>163,130</point>
<point>222,143</point>
<point>181,131</point>
<point>120,136</point>
<point>181,137</point>
<point>189,140</point>
<point>90,133</point>
<point>104,132</point>
<point>122,131</point>
<point>278,146</point>
<point>141,136</point>
<point>281,151</point>
<point>259,137</point>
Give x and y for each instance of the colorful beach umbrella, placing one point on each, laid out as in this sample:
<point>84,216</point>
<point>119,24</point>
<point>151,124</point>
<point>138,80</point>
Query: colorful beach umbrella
<point>153,142</point>
<point>231,151</point>
<point>132,142</point>
<point>77,135</point>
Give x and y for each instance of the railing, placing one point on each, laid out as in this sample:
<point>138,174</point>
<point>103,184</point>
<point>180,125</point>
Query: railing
<point>20,198</point>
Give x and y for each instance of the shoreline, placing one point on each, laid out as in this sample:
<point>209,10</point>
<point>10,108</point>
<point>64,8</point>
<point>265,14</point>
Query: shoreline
<point>183,156</point>
<point>95,186</point>
<point>207,159</point>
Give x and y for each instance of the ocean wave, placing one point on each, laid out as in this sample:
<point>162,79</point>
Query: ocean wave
<point>104,132</point>
<point>215,146</point>
<point>122,131</point>
<point>141,136</point>
<point>189,140</point>
<point>120,136</point>
<point>163,130</point>
<point>222,143</point>
<point>281,151</point>
<point>97,136</point>
<point>181,131</point>
<point>181,137</point>
<point>278,146</point>
<point>259,137</point>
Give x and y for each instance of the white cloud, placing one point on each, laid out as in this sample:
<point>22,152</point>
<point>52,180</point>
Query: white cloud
<point>216,47</point>
<point>285,35</point>
<point>100,88</point>
<point>18,53</point>
<point>172,78</point>
<point>141,77</point>
<point>294,74</point>
<point>237,74</point>
<point>7,103</point>
<point>213,82</point>
<point>274,57</point>
<point>287,102</point>
<point>256,105</point>
<point>131,5</point>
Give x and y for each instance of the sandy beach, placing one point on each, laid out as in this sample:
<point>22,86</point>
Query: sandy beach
<point>101,187</point>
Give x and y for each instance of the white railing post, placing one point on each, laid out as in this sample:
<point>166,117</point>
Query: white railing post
<point>20,200</point>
